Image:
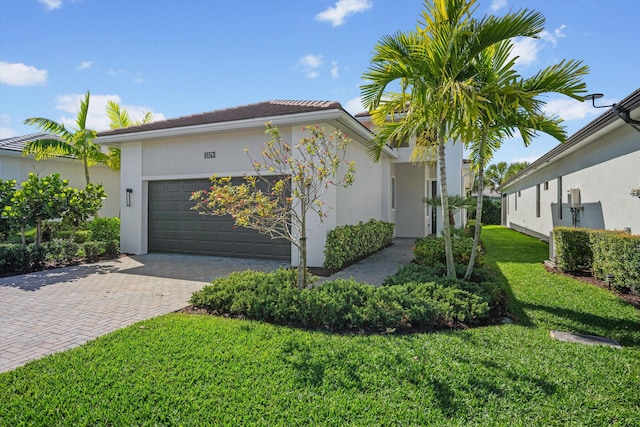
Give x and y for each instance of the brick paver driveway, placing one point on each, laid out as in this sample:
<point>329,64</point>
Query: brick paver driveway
<point>46,312</point>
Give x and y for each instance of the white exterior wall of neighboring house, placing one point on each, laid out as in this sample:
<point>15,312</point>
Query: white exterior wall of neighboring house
<point>602,165</point>
<point>13,165</point>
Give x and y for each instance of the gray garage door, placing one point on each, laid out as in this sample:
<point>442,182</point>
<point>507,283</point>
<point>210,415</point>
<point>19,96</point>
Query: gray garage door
<point>175,228</point>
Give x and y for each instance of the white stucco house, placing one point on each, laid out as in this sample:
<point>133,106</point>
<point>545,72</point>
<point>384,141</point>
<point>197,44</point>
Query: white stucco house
<point>13,165</point>
<point>591,181</point>
<point>164,162</point>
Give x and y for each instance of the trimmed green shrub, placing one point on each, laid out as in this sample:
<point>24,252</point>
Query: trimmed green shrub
<point>61,250</point>
<point>112,248</point>
<point>617,253</point>
<point>602,251</point>
<point>14,258</point>
<point>430,251</point>
<point>491,211</point>
<point>105,229</point>
<point>349,243</point>
<point>93,250</point>
<point>481,281</point>
<point>573,249</point>
<point>344,305</point>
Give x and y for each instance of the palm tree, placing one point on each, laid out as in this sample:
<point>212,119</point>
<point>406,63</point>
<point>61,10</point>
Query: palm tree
<point>438,93</point>
<point>495,175</point>
<point>76,143</point>
<point>512,103</point>
<point>120,119</point>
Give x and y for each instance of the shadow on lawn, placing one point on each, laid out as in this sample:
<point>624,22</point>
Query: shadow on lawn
<point>627,332</point>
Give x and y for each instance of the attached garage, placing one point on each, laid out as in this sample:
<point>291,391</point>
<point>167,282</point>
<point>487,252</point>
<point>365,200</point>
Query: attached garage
<point>163,162</point>
<point>175,228</point>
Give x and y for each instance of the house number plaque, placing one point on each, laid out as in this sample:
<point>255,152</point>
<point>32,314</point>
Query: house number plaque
<point>209,154</point>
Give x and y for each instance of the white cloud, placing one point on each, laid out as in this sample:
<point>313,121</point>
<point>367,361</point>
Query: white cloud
<point>97,118</point>
<point>7,133</point>
<point>527,48</point>
<point>18,74</point>
<point>51,4</point>
<point>570,109</point>
<point>310,64</point>
<point>354,106</point>
<point>135,77</point>
<point>5,127</point>
<point>498,4</point>
<point>85,65</point>
<point>558,31</point>
<point>529,159</point>
<point>334,70</point>
<point>337,14</point>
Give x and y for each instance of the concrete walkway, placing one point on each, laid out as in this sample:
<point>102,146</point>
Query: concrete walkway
<point>50,311</point>
<point>374,269</point>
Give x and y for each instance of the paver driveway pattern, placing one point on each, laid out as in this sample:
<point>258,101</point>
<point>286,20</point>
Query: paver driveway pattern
<point>50,311</point>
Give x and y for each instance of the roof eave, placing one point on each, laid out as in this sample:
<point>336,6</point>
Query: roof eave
<point>605,123</point>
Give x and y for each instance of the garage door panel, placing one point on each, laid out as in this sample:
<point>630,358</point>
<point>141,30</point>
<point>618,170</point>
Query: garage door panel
<point>175,228</point>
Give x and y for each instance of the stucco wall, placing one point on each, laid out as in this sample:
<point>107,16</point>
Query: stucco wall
<point>410,212</point>
<point>14,166</point>
<point>605,170</point>
<point>183,158</point>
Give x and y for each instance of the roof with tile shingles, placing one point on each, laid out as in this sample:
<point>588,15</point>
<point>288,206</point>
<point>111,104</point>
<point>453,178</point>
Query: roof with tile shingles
<point>17,143</point>
<point>244,112</point>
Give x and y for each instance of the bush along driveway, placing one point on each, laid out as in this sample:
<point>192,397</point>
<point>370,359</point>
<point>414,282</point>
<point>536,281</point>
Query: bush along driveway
<point>182,369</point>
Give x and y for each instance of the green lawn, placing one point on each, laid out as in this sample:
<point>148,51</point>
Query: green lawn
<point>197,370</point>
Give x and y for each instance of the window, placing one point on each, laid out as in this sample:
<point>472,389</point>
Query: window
<point>538,201</point>
<point>519,193</point>
<point>515,201</point>
<point>393,193</point>
<point>559,197</point>
<point>546,185</point>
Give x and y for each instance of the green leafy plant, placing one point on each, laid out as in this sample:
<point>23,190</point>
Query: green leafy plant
<point>93,250</point>
<point>105,229</point>
<point>61,250</point>
<point>296,176</point>
<point>346,305</point>
<point>430,251</point>
<point>348,243</point>
<point>573,249</point>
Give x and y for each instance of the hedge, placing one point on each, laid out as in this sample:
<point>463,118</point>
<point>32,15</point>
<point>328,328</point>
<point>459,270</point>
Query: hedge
<point>430,251</point>
<point>573,249</point>
<point>348,243</point>
<point>602,251</point>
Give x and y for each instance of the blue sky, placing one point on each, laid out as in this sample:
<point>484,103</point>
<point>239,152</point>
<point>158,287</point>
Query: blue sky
<point>181,57</point>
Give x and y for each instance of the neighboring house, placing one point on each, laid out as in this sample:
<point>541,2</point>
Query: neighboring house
<point>591,181</point>
<point>13,165</point>
<point>164,162</point>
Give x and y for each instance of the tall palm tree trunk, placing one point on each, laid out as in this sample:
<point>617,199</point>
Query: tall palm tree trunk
<point>479,201</point>
<point>444,202</point>
<point>478,228</point>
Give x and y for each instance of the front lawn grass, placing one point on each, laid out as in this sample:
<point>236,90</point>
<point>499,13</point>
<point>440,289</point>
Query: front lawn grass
<point>200,370</point>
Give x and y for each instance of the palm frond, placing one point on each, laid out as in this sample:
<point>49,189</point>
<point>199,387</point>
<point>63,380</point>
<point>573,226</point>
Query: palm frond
<point>49,126</point>
<point>81,120</point>
<point>48,148</point>
<point>117,117</point>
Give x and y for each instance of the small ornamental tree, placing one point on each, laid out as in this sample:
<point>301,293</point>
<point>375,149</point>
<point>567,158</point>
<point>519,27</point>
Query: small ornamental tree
<point>50,197</point>
<point>82,204</point>
<point>36,200</point>
<point>7,189</point>
<point>289,182</point>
